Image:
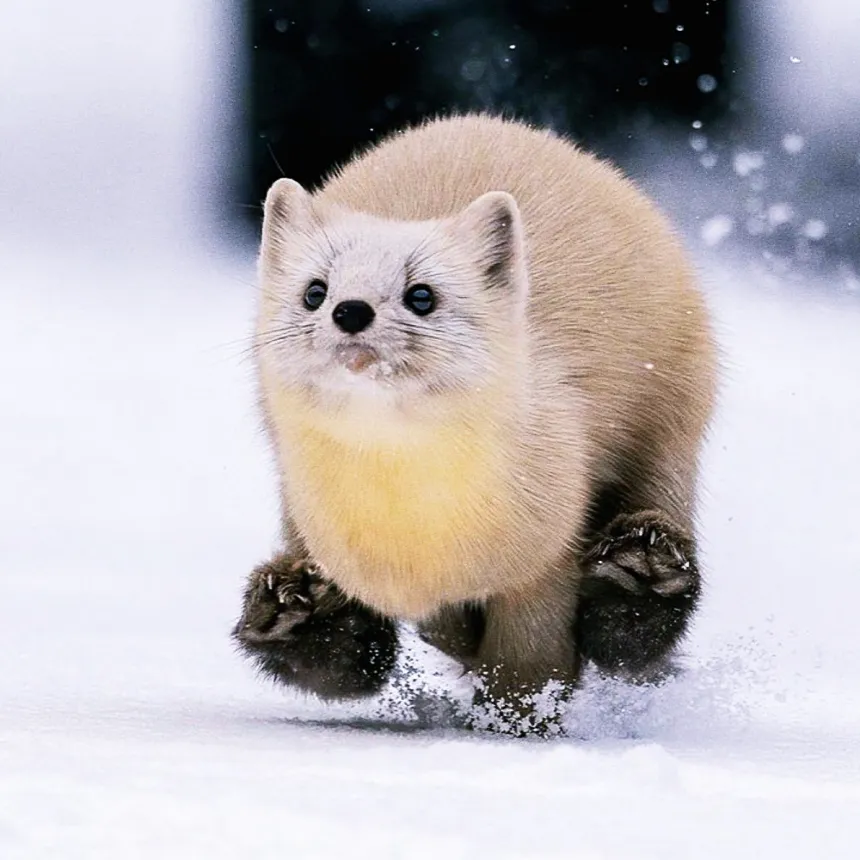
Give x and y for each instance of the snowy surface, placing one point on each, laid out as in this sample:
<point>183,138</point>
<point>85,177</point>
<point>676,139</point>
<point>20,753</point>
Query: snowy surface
<point>136,492</point>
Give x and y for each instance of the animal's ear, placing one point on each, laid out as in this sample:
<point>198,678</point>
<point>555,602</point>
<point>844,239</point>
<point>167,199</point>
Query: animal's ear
<point>492,225</point>
<point>287,206</point>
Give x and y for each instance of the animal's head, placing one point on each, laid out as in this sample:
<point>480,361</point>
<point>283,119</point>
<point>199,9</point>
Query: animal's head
<point>355,306</point>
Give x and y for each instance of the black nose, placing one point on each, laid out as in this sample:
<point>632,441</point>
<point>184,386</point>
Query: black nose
<point>353,316</point>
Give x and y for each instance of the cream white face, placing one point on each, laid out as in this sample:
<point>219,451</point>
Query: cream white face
<point>355,307</point>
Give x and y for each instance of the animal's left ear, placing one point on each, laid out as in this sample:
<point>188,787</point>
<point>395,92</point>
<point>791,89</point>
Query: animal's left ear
<point>492,225</point>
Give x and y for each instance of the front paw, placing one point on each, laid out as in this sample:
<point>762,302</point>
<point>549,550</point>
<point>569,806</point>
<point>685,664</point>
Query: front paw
<point>302,630</point>
<point>282,595</point>
<point>640,587</point>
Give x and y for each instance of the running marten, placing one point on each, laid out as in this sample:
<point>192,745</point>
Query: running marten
<point>486,373</point>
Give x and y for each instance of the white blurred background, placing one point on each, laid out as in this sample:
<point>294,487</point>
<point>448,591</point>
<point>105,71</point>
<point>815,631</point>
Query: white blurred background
<point>120,124</point>
<point>803,66</point>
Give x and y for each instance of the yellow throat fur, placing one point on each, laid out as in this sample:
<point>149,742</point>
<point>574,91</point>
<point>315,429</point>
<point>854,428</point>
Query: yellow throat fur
<point>403,526</point>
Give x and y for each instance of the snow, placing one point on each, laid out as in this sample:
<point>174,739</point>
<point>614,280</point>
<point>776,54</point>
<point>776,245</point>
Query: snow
<point>137,492</point>
<point>793,143</point>
<point>745,163</point>
<point>715,229</point>
<point>815,229</point>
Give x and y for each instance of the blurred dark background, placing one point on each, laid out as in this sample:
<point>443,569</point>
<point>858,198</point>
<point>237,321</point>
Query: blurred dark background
<point>330,76</point>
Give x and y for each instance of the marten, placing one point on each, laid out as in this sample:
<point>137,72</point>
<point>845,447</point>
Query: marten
<point>486,373</point>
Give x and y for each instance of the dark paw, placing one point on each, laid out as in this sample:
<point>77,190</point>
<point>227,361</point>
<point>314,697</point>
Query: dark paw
<point>302,630</point>
<point>641,553</point>
<point>280,597</point>
<point>640,586</point>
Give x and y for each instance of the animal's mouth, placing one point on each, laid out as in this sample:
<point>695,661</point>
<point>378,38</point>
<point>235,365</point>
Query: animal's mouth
<point>357,357</point>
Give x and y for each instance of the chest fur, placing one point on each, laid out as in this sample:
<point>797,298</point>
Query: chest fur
<point>404,526</point>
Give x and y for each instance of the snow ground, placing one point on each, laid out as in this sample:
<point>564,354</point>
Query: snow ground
<point>136,492</point>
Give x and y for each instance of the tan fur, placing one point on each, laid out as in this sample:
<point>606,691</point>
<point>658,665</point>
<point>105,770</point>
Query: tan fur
<point>597,361</point>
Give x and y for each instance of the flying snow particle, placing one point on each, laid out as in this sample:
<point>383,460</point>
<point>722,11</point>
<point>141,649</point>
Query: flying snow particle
<point>716,229</point>
<point>706,83</point>
<point>814,229</point>
<point>779,213</point>
<point>793,143</point>
<point>745,163</point>
<point>698,142</point>
<point>756,226</point>
<point>851,281</point>
<point>680,52</point>
<point>473,70</point>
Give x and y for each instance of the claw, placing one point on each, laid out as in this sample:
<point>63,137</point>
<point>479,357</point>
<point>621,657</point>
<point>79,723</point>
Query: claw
<point>652,538</point>
<point>270,581</point>
<point>671,586</point>
<point>303,599</point>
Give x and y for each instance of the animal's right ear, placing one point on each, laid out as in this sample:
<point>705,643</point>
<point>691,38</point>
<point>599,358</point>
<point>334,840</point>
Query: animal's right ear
<point>287,205</point>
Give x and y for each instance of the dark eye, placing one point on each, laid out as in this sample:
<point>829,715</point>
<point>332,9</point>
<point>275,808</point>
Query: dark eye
<point>420,300</point>
<point>315,295</point>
